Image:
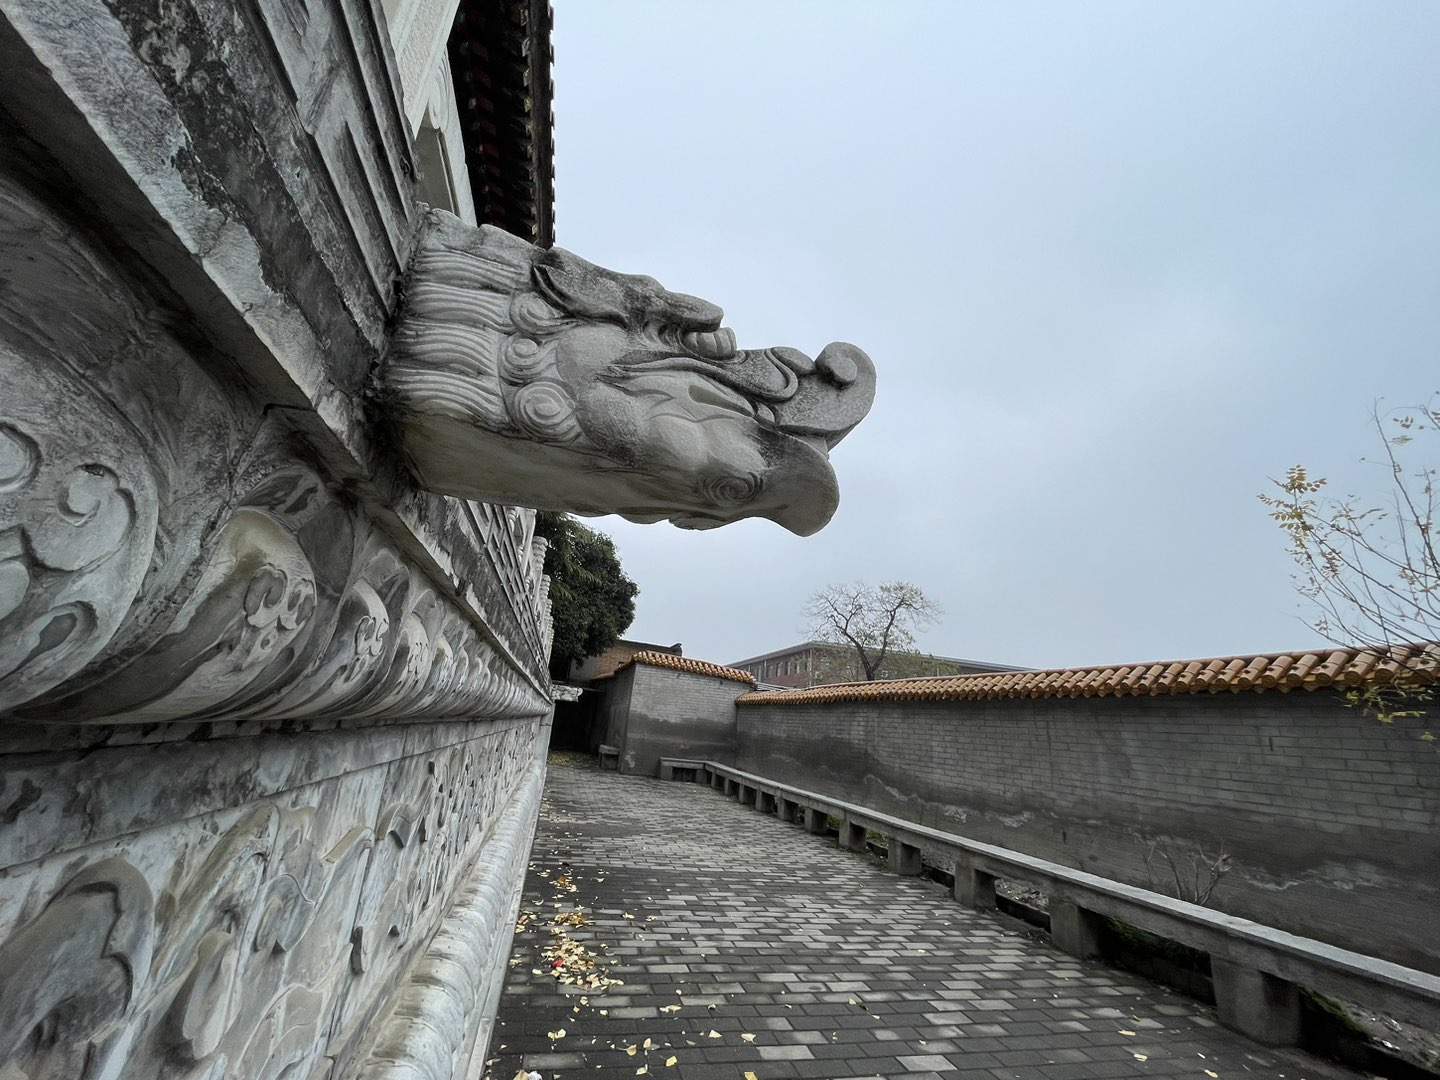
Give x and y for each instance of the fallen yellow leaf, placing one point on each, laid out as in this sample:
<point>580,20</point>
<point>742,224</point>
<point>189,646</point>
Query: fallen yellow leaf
<point>556,1034</point>
<point>671,1061</point>
<point>647,1044</point>
<point>1124,1032</point>
<point>1141,1057</point>
<point>751,1076</point>
<point>669,1008</point>
<point>632,1049</point>
<point>1212,1075</point>
<point>747,1037</point>
<point>642,1070</point>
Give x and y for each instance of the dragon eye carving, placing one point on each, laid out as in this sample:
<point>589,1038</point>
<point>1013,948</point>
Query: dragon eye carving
<point>731,490</point>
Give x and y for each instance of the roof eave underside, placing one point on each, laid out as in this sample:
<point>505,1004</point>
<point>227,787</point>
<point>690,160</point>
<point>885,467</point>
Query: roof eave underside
<point>501,59</point>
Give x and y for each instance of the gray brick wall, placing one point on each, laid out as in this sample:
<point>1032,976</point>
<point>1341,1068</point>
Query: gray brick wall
<point>655,712</point>
<point>615,707</point>
<point>1332,819</point>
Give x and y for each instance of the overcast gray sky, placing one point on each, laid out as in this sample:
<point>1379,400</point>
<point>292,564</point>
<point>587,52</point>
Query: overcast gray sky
<point>1116,264</point>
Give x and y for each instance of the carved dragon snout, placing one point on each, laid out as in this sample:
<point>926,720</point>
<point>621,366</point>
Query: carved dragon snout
<point>824,397</point>
<point>534,377</point>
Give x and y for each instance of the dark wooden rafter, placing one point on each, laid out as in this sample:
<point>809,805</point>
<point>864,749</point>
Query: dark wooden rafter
<point>501,57</point>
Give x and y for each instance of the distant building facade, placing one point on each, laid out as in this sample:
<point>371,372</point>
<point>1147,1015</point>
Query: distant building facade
<point>819,663</point>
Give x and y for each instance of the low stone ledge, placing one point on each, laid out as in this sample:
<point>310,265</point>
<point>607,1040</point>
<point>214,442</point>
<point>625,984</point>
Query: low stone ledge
<point>681,769</point>
<point>1244,945</point>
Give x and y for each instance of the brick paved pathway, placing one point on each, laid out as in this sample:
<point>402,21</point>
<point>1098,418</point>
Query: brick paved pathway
<point>788,957</point>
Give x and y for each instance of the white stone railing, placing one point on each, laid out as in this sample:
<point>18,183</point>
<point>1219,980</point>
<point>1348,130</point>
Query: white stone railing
<point>1257,970</point>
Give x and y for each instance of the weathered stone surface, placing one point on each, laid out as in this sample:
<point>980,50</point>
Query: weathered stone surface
<point>247,168</point>
<point>1259,1004</point>
<point>266,933</point>
<point>442,1015</point>
<point>268,714</point>
<point>521,375</point>
<point>166,557</point>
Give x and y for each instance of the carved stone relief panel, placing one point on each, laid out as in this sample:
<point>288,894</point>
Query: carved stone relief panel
<point>439,1024</point>
<point>281,623</point>
<point>206,582</point>
<point>165,553</point>
<point>77,527</point>
<point>253,941</point>
<point>97,519</point>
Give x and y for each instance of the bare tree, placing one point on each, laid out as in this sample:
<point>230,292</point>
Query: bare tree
<point>874,620</point>
<point>1370,565</point>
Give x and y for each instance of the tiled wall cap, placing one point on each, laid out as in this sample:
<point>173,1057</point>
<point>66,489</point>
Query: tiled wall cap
<point>1303,670</point>
<point>695,667</point>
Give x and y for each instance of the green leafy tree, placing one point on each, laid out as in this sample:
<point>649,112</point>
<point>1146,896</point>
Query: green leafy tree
<point>591,599</point>
<point>872,621</point>
<point>1370,566</point>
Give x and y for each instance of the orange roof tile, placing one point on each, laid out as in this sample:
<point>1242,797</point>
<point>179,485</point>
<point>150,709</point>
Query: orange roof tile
<point>1303,670</point>
<point>695,667</point>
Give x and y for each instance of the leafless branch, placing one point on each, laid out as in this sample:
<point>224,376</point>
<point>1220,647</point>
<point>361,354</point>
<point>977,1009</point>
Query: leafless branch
<point>1372,567</point>
<point>1195,880</point>
<point>872,620</point>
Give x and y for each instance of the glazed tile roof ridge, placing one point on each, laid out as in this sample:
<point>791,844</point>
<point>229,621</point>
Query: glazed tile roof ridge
<point>1310,669</point>
<point>685,663</point>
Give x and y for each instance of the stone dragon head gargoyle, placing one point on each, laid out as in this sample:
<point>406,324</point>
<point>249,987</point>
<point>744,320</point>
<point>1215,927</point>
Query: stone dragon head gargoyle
<point>528,376</point>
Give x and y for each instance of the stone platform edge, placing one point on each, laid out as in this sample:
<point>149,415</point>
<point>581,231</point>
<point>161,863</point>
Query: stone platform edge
<point>443,1013</point>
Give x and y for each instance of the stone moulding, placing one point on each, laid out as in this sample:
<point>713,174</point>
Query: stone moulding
<point>167,557</point>
<point>266,940</point>
<point>444,1009</point>
<point>529,376</point>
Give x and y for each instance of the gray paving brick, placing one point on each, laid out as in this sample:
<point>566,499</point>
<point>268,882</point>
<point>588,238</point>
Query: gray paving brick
<point>745,925</point>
